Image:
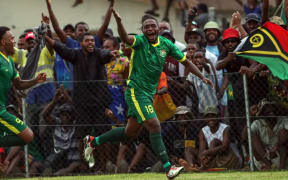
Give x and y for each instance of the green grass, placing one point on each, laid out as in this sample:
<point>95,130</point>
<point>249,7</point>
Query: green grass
<point>272,175</point>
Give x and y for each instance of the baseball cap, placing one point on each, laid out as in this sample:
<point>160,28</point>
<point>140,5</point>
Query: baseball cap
<point>196,30</point>
<point>168,32</point>
<point>29,35</point>
<point>211,110</point>
<point>182,110</point>
<point>253,16</point>
<point>230,33</point>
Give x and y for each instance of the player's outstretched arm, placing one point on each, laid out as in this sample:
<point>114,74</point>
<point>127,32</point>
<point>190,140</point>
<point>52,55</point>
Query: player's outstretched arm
<point>193,69</point>
<point>25,84</point>
<point>121,30</point>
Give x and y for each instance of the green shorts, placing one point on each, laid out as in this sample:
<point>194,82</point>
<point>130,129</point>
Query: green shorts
<point>140,106</point>
<point>10,124</point>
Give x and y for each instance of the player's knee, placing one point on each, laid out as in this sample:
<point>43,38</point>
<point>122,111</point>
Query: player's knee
<point>131,133</point>
<point>30,138</point>
<point>27,135</point>
<point>153,126</point>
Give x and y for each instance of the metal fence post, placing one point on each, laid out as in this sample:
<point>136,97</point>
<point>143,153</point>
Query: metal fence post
<point>248,122</point>
<point>26,146</point>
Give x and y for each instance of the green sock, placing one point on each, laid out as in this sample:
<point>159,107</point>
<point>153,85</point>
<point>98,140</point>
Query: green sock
<point>114,135</point>
<point>11,140</point>
<point>160,150</point>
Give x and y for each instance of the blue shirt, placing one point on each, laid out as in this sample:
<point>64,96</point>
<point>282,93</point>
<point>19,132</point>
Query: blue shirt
<point>214,50</point>
<point>257,10</point>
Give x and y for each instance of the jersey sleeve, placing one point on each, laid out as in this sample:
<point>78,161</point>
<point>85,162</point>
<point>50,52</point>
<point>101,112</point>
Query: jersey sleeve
<point>175,52</point>
<point>137,41</point>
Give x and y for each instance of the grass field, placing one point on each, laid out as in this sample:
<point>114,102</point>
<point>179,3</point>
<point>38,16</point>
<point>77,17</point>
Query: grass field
<point>273,175</point>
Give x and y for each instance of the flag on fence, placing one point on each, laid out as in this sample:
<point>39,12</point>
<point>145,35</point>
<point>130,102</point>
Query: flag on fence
<point>267,45</point>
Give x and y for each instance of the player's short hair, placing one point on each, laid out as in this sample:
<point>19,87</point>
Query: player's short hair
<point>147,16</point>
<point>3,30</point>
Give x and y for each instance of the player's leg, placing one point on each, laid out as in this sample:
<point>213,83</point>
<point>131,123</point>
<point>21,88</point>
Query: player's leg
<point>18,133</point>
<point>158,146</point>
<point>114,135</point>
<point>146,115</point>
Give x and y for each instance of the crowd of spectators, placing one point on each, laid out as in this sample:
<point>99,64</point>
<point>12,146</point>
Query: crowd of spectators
<point>203,127</point>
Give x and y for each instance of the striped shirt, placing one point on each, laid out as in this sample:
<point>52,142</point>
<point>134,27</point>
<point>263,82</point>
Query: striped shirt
<point>206,94</point>
<point>64,140</point>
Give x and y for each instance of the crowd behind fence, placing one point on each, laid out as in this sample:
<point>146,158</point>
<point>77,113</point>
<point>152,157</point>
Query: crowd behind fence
<point>197,135</point>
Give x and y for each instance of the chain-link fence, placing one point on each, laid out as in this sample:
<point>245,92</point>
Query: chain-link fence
<point>204,128</point>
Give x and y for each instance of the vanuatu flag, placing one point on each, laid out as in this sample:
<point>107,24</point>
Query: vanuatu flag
<point>267,45</point>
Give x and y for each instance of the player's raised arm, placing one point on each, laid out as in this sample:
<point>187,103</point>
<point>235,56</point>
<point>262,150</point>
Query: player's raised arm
<point>128,39</point>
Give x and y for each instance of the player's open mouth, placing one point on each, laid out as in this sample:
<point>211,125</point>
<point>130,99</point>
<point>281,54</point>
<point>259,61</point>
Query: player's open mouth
<point>151,36</point>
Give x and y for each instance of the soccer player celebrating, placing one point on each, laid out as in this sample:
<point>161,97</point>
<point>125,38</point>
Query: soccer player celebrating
<point>18,133</point>
<point>149,51</point>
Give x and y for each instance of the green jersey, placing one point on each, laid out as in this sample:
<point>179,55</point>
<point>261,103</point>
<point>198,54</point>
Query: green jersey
<point>7,73</point>
<point>147,60</point>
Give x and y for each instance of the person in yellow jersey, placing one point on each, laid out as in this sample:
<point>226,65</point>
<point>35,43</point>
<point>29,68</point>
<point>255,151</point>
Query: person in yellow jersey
<point>20,133</point>
<point>149,51</point>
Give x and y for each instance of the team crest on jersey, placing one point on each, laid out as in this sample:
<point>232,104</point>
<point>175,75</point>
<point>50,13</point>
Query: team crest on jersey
<point>163,53</point>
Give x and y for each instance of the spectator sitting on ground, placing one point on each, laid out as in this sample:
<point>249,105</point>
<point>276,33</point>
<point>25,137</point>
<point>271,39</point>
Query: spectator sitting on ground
<point>270,137</point>
<point>127,163</point>
<point>65,143</point>
<point>215,143</point>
